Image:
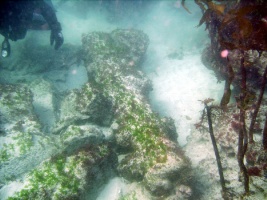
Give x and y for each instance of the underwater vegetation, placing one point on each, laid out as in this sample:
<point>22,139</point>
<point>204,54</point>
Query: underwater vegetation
<point>15,104</point>
<point>64,177</point>
<point>235,24</point>
<point>239,28</point>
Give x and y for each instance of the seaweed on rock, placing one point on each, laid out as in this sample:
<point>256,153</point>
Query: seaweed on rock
<point>141,135</point>
<point>66,177</point>
<point>19,121</point>
<point>240,30</point>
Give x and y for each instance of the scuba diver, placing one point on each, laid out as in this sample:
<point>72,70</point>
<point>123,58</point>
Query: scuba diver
<point>17,16</point>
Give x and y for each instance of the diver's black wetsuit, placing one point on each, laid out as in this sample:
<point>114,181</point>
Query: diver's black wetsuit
<point>16,17</point>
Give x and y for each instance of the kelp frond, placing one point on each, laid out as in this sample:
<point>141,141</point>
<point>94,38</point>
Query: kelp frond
<point>205,17</point>
<point>183,4</point>
<point>243,28</point>
<point>238,25</point>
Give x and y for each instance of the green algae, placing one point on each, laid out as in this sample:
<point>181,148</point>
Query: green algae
<point>23,141</point>
<point>61,177</point>
<point>72,131</point>
<point>6,152</point>
<point>137,119</point>
<point>15,100</point>
<point>54,180</point>
<point>17,112</point>
<point>129,196</point>
<point>20,144</point>
<point>134,114</point>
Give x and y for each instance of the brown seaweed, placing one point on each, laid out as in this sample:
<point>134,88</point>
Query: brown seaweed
<point>240,25</point>
<point>183,4</point>
<point>205,17</point>
<point>244,28</point>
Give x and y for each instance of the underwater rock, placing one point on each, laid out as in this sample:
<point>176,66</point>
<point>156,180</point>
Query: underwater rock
<point>79,162</point>
<point>255,63</point>
<point>138,83</point>
<point>182,192</point>
<point>169,128</point>
<point>69,177</point>
<point>16,101</point>
<point>24,146</point>
<point>73,108</point>
<point>149,143</point>
<point>158,186</point>
<point>100,110</point>
<point>162,178</point>
<point>124,142</point>
<point>143,139</point>
<point>18,122</point>
<point>81,106</point>
<point>21,140</point>
<point>78,137</point>
<point>34,61</point>
<point>40,60</point>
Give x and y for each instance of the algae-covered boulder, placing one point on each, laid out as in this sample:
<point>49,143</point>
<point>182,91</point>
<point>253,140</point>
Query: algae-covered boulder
<point>82,106</point>
<point>68,177</point>
<point>15,102</point>
<point>147,143</point>
<point>78,137</point>
<point>24,144</point>
<point>19,124</point>
<point>162,178</point>
<point>21,139</point>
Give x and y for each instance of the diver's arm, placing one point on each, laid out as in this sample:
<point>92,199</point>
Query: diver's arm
<point>49,15</point>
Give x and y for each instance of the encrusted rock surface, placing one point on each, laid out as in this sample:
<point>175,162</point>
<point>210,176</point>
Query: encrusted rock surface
<point>102,129</point>
<point>18,121</point>
<point>162,178</point>
<point>23,143</point>
<point>70,177</point>
<point>142,136</point>
<point>255,62</point>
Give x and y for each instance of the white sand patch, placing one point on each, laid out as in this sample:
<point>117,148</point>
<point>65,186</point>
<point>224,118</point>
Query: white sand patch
<point>113,190</point>
<point>178,85</point>
<point>43,102</point>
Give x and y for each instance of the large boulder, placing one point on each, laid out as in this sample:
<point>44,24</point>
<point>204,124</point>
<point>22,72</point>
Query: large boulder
<point>146,143</point>
<point>18,121</point>
<point>68,177</point>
